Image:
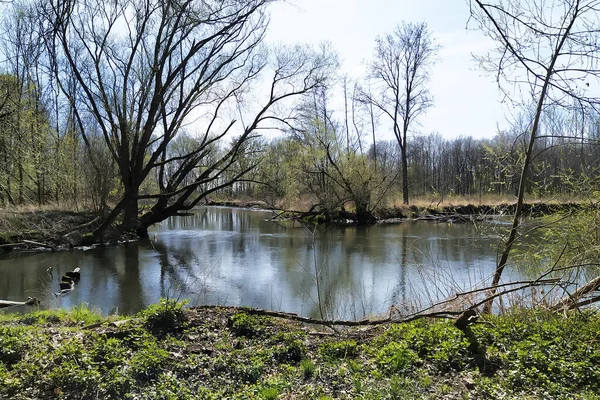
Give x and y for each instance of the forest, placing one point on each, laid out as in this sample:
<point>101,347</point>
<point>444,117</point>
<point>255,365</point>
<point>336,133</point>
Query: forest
<point>143,111</point>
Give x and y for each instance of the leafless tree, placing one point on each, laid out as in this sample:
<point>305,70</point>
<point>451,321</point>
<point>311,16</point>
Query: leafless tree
<point>401,69</point>
<point>145,69</point>
<point>547,54</point>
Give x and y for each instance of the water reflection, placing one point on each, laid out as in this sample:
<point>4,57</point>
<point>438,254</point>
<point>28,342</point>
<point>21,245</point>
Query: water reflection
<point>237,257</point>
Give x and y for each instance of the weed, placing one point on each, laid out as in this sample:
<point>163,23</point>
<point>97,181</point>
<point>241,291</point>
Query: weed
<point>243,324</point>
<point>270,393</point>
<point>290,352</point>
<point>168,316</point>
<point>397,358</point>
<point>13,344</point>
<point>308,368</point>
<point>148,362</point>
<point>338,350</point>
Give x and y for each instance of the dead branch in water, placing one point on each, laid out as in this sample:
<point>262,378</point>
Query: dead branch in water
<point>31,301</point>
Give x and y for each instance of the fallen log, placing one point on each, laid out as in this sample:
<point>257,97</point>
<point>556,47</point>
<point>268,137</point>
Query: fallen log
<point>31,301</point>
<point>571,300</point>
<point>47,246</point>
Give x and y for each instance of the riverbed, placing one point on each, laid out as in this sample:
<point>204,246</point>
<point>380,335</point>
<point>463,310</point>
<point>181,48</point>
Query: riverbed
<point>233,256</point>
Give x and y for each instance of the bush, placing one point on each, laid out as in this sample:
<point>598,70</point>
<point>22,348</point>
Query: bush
<point>249,326</point>
<point>168,316</point>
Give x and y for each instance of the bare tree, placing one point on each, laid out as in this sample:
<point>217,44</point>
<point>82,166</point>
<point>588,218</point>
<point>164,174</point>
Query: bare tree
<point>547,54</point>
<point>401,71</point>
<point>148,68</point>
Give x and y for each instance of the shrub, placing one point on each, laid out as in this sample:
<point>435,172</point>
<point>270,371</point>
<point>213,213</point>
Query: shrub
<point>168,316</point>
<point>249,326</point>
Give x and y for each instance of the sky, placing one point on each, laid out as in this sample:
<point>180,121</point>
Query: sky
<point>467,101</point>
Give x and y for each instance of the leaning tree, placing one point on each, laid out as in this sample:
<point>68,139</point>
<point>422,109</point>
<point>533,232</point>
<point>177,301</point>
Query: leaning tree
<point>547,53</point>
<point>145,69</point>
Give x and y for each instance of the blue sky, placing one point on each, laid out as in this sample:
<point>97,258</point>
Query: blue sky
<point>467,101</point>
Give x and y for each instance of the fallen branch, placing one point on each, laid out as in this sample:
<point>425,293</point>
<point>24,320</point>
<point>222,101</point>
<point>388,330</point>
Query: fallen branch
<point>79,227</point>
<point>571,301</point>
<point>31,301</point>
<point>47,246</point>
<point>11,244</point>
<point>537,282</point>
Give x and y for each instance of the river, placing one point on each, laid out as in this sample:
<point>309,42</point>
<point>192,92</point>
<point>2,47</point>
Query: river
<point>237,257</point>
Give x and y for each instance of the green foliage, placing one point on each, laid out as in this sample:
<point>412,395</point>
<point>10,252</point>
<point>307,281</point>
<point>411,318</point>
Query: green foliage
<point>148,362</point>
<point>528,355</point>
<point>337,350</point>
<point>397,358</point>
<point>109,353</point>
<point>83,315</point>
<point>75,376</point>
<point>308,368</point>
<point>270,393</point>
<point>168,316</point>
<point>291,352</point>
<point>14,342</point>
<point>249,372</point>
<point>243,324</point>
<point>441,344</point>
<point>545,351</point>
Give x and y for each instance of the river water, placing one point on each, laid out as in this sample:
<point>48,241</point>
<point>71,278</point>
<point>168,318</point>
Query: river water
<point>234,256</point>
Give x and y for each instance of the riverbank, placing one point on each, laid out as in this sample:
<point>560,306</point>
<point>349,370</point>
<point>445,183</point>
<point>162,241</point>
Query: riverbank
<point>166,352</point>
<point>51,229</point>
<point>55,229</point>
<point>453,213</point>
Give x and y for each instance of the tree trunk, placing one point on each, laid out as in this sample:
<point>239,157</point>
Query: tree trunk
<point>404,175</point>
<point>363,215</point>
<point>130,217</point>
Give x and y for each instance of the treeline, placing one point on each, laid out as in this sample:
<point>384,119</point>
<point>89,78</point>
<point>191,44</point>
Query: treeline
<point>319,158</point>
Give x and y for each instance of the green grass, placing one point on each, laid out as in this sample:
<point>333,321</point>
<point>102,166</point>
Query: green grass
<point>168,352</point>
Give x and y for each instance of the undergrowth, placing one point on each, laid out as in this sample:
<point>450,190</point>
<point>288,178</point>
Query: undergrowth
<point>169,352</point>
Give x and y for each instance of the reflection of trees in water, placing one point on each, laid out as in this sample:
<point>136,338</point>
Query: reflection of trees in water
<point>131,282</point>
<point>181,273</point>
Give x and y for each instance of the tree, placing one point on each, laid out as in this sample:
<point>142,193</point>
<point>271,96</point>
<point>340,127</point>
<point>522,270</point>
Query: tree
<point>332,165</point>
<point>145,69</point>
<point>401,71</point>
<point>547,51</point>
